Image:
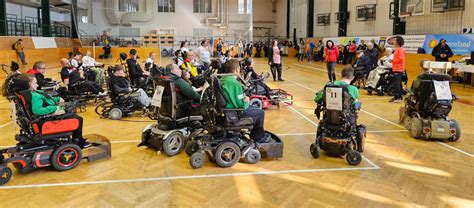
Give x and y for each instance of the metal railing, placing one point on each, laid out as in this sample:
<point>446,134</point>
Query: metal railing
<point>26,28</point>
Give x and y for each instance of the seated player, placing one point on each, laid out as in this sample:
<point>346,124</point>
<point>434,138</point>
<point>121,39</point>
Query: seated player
<point>234,93</point>
<point>190,64</point>
<point>94,66</point>
<point>134,69</point>
<point>249,69</point>
<point>347,75</point>
<point>363,62</point>
<point>38,70</point>
<point>75,76</point>
<point>121,84</point>
<point>184,90</point>
<point>44,104</point>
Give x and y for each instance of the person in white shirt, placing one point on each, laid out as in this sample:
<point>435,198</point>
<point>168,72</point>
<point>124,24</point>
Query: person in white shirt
<point>386,61</point>
<point>94,66</point>
<point>240,45</point>
<point>150,61</point>
<point>182,48</point>
<point>204,53</point>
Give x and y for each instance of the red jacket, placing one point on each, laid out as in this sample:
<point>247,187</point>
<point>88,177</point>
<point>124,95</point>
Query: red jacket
<point>399,59</point>
<point>332,54</point>
<point>32,71</point>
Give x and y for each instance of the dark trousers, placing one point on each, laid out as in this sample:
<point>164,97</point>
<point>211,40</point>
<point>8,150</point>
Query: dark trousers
<point>276,69</point>
<point>258,117</point>
<point>300,56</point>
<point>91,86</point>
<point>21,55</point>
<point>397,85</point>
<point>331,67</point>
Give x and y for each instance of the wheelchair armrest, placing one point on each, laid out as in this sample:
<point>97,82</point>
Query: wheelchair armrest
<point>51,117</point>
<point>233,109</point>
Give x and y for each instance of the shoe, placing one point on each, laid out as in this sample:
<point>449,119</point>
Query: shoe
<point>102,93</point>
<point>281,80</point>
<point>397,101</point>
<point>266,139</point>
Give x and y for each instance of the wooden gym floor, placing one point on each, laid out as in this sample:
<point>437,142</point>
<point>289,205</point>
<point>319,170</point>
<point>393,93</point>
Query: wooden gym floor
<point>397,171</point>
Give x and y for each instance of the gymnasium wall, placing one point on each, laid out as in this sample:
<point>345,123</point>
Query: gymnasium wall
<point>184,21</point>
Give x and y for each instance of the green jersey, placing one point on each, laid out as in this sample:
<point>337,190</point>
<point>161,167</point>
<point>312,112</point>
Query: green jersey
<point>353,91</point>
<point>234,92</point>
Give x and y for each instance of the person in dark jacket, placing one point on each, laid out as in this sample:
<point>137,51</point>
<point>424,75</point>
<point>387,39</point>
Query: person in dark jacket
<point>121,84</point>
<point>184,91</point>
<point>134,69</point>
<point>373,53</point>
<point>72,76</point>
<point>442,52</point>
<point>274,60</point>
<point>363,62</point>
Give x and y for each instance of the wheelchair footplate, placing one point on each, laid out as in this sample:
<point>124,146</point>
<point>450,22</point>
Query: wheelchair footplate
<point>99,149</point>
<point>272,149</point>
<point>281,96</point>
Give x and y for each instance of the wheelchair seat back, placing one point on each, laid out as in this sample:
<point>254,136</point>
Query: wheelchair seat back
<point>434,95</point>
<point>337,104</point>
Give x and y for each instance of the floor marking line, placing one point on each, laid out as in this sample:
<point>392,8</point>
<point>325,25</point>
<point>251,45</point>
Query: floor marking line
<point>309,67</point>
<point>187,177</point>
<point>383,119</point>
<point>454,148</point>
<point>6,124</point>
<point>305,117</point>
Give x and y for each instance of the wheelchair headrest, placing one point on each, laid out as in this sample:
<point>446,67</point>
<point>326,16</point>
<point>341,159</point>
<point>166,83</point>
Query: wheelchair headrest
<point>25,101</point>
<point>123,56</point>
<point>430,76</point>
<point>14,66</point>
<point>18,84</point>
<point>221,100</point>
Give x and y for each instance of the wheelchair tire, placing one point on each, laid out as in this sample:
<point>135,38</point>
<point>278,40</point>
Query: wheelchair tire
<point>455,125</point>
<point>174,143</point>
<point>21,169</point>
<point>66,157</point>
<point>315,150</point>
<point>353,157</point>
<point>416,127</point>
<point>197,160</point>
<point>361,139</point>
<point>256,103</point>
<point>227,154</point>
<point>115,114</point>
<point>252,156</point>
<point>5,174</point>
<point>191,148</point>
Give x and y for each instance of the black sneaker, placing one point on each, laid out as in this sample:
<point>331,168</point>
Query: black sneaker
<point>281,80</point>
<point>397,100</point>
<point>86,144</point>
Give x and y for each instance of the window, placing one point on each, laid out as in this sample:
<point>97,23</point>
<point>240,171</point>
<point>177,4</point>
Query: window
<point>241,7</point>
<point>84,19</point>
<point>249,6</point>
<point>202,6</point>
<point>128,5</point>
<point>165,5</point>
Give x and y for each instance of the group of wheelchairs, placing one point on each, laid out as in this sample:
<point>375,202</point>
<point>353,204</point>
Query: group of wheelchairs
<point>205,129</point>
<point>45,140</point>
<point>380,81</point>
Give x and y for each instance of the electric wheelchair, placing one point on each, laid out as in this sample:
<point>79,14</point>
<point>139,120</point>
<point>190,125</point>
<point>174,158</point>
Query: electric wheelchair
<point>380,81</point>
<point>46,140</point>
<point>120,104</point>
<point>338,133</point>
<point>224,137</point>
<point>426,109</point>
<point>176,120</point>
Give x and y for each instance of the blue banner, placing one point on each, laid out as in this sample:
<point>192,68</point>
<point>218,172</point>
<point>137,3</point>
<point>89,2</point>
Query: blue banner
<point>460,44</point>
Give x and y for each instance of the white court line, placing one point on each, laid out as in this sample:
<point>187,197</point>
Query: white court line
<point>383,119</point>
<point>454,148</point>
<point>188,177</point>
<point>3,125</point>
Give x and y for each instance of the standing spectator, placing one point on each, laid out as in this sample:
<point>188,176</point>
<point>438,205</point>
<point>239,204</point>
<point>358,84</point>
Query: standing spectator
<point>352,50</point>
<point>250,49</point>
<point>307,51</point>
<point>204,54</point>
<point>331,53</point>
<point>373,54</point>
<point>362,46</point>
<point>442,52</point>
<point>219,48</point>
<point>182,47</point>
<point>240,45</point>
<point>18,47</point>
<point>321,50</point>
<point>311,49</point>
<point>398,68</point>
<point>300,51</point>
<point>274,60</point>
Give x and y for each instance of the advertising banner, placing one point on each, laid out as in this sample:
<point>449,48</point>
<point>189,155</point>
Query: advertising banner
<point>412,42</point>
<point>460,44</point>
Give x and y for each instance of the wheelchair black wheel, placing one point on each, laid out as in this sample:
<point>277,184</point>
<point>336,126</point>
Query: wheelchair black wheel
<point>455,125</point>
<point>174,143</point>
<point>21,169</point>
<point>115,114</point>
<point>315,150</point>
<point>252,156</point>
<point>197,160</point>
<point>416,127</point>
<point>66,157</point>
<point>353,157</point>
<point>5,174</point>
<point>227,154</point>
<point>191,148</point>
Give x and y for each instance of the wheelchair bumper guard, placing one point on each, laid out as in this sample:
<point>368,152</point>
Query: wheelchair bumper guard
<point>99,149</point>
<point>438,129</point>
<point>153,136</point>
<point>272,149</point>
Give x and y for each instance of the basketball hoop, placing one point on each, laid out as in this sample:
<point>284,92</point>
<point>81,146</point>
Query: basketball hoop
<point>404,14</point>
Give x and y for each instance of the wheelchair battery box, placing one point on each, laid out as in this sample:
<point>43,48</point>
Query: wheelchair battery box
<point>440,129</point>
<point>272,149</point>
